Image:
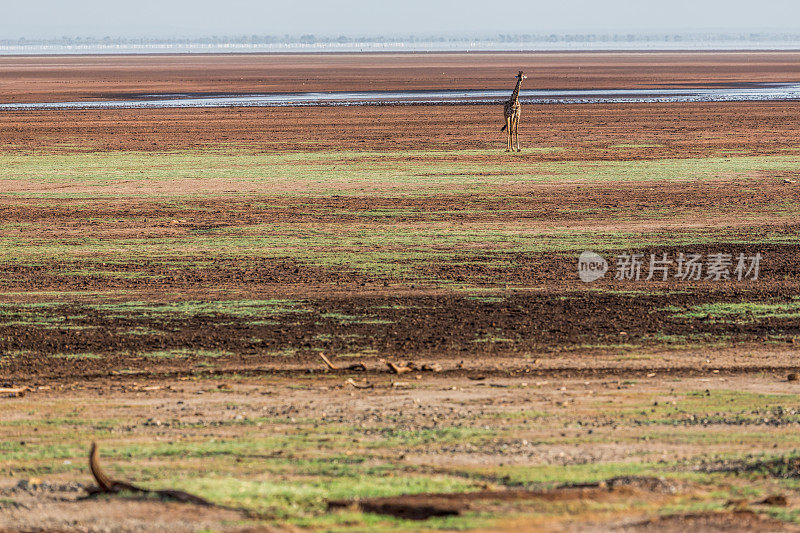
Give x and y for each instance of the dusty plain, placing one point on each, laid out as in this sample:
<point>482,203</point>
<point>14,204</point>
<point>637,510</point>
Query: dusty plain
<point>169,279</point>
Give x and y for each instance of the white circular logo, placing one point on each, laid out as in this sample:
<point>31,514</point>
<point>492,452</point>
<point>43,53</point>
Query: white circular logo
<point>591,266</point>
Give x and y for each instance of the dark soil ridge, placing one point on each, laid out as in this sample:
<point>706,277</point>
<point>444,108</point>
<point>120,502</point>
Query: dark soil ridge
<point>478,375</point>
<point>708,522</point>
<point>424,328</point>
<point>427,505</point>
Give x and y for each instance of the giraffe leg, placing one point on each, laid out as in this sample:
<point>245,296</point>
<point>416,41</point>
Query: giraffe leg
<point>516,134</point>
<point>508,132</point>
<point>513,127</point>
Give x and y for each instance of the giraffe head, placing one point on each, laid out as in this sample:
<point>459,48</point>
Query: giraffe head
<point>521,76</point>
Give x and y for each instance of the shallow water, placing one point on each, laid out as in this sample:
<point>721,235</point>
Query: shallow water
<point>767,92</point>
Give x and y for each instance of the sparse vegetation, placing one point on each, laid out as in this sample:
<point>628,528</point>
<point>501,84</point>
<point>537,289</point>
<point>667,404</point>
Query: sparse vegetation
<point>175,309</point>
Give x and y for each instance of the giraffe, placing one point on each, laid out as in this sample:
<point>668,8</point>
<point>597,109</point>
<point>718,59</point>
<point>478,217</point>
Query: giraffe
<point>512,111</point>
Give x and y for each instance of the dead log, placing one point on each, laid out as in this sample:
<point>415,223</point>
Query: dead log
<point>350,381</point>
<point>14,392</point>
<point>327,362</point>
<point>397,369</point>
<point>106,485</point>
<point>357,367</point>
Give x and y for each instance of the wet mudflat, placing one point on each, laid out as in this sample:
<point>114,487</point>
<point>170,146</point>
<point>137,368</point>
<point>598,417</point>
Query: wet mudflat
<point>747,92</point>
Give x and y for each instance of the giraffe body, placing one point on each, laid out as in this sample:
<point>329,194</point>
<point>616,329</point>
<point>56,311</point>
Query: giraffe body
<point>512,110</point>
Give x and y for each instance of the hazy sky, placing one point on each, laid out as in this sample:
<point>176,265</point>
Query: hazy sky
<point>163,18</point>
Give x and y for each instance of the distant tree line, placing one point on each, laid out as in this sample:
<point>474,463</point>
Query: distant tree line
<point>415,38</point>
<point>648,37</point>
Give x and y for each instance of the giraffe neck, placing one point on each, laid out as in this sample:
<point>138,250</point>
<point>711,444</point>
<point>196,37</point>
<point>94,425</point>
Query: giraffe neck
<point>515,94</point>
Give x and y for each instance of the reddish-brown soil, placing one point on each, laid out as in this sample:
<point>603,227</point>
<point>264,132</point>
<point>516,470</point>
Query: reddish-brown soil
<point>71,78</point>
<point>535,320</point>
<point>706,523</point>
<point>581,131</point>
<point>389,319</point>
<point>678,129</point>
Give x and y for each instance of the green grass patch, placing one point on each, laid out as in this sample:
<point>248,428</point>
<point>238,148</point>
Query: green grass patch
<point>405,172</point>
<point>86,355</point>
<point>742,311</point>
<point>185,353</point>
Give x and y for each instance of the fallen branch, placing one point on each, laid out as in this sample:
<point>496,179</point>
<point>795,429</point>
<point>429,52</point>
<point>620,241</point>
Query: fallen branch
<point>13,392</point>
<point>359,385</point>
<point>327,361</point>
<point>397,369</point>
<point>359,367</point>
<point>106,485</point>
